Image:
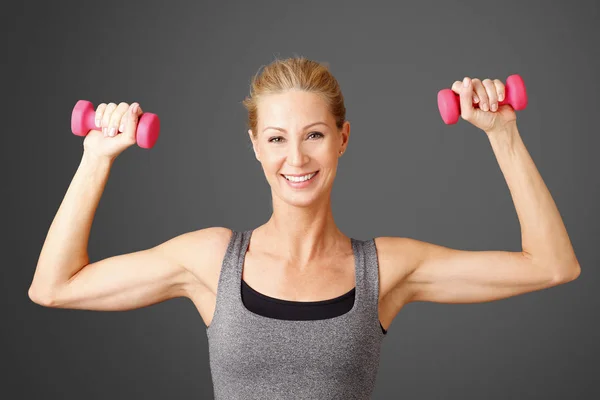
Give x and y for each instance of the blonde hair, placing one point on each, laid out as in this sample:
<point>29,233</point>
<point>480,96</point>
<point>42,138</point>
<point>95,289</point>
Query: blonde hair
<point>296,73</point>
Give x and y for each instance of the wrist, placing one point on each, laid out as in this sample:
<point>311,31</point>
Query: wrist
<point>97,160</point>
<point>505,134</point>
<point>505,141</point>
<point>510,128</point>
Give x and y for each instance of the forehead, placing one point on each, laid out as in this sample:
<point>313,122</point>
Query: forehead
<point>292,107</point>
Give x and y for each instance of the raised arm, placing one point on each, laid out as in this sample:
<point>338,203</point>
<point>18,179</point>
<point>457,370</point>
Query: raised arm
<point>427,272</point>
<point>65,278</point>
<point>64,251</point>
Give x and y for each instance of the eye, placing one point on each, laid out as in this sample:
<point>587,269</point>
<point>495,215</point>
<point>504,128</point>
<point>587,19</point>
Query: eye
<point>278,139</point>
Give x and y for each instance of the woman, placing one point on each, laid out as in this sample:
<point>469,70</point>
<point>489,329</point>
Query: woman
<point>295,308</point>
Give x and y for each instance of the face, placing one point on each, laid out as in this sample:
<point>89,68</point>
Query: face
<point>297,135</point>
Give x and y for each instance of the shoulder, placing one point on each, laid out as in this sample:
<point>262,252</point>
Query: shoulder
<point>397,258</point>
<point>201,251</point>
<point>201,241</point>
<point>402,251</point>
<point>211,236</point>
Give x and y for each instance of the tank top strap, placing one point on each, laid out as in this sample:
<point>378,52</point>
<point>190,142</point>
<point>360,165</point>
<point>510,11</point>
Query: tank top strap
<point>228,278</point>
<point>367,275</point>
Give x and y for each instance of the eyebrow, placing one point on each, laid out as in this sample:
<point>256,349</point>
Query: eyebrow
<point>306,127</point>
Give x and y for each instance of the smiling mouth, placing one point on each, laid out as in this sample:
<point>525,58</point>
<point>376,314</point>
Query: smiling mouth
<point>305,180</point>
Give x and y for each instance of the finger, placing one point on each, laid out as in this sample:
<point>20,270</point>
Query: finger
<point>500,89</point>
<point>106,117</point>
<point>99,113</point>
<point>481,93</point>
<point>133,114</point>
<point>466,99</point>
<point>115,119</point>
<point>123,122</point>
<point>457,87</point>
<point>492,95</point>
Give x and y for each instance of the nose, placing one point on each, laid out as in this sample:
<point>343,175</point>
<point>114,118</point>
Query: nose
<point>296,156</point>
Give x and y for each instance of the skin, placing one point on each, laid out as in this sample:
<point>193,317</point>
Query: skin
<point>301,227</point>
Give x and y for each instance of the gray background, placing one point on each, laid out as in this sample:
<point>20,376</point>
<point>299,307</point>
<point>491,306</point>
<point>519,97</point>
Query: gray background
<point>405,174</point>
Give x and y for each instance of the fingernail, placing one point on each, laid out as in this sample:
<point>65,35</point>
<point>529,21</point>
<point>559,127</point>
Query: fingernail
<point>494,107</point>
<point>475,99</point>
<point>104,131</point>
<point>97,123</point>
<point>466,82</point>
<point>112,131</point>
<point>122,128</point>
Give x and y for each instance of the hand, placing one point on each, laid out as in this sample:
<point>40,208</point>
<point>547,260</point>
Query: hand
<point>486,94</point>
<point>118,124</point>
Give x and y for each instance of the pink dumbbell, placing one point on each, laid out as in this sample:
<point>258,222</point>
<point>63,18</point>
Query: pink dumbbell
<point>82,121</point>
<point>515,96</point>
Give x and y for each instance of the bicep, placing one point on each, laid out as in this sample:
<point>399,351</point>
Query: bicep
<point>440,274</point>
<point>127,281</point>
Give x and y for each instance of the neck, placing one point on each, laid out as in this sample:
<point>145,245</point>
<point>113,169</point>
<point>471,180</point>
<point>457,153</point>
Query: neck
<point>303,234</point>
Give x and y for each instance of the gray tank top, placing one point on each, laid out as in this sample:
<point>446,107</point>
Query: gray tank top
<point>256,357</point>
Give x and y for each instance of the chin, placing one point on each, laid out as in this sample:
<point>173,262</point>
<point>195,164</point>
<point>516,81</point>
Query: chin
<point>300,203</point>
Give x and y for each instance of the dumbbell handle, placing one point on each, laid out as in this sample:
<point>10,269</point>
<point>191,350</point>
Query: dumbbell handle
<point>515,96</point>
<point>83,121</point>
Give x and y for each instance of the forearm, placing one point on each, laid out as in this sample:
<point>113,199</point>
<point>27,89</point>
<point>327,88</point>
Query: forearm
<point>65,249</point>
<point>543,234</point>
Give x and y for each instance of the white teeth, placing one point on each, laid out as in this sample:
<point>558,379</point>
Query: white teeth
<point>299,178</point>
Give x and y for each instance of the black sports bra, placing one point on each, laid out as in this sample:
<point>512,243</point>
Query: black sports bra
<point>297,310</point>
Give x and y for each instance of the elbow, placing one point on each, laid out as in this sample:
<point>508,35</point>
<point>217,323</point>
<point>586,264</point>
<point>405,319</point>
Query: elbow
<point>42,297</point>
<point>567,274</point>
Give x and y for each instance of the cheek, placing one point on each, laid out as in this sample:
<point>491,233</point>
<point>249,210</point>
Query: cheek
<point>330,158</point>
<point>321,154</point>
<point>272,161</point>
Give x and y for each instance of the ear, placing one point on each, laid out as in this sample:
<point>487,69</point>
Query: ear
<point>345,135</point>
<point>254,145</point>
